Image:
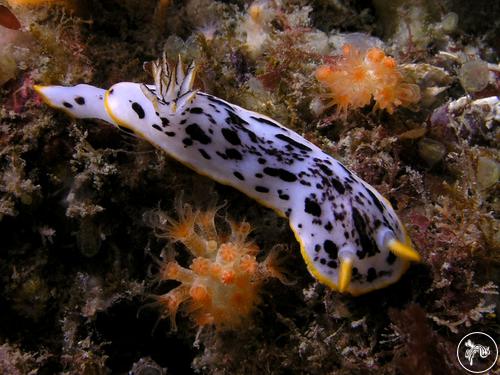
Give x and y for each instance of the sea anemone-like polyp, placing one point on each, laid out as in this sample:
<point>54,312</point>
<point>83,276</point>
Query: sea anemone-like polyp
<point>357,77</point>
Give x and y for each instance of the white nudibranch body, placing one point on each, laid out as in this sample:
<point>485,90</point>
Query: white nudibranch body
<point>350,237</point>
<point>80,101</point>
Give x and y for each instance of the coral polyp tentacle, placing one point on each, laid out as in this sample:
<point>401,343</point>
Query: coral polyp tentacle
<point>171,302</point>
<point>329,208</point>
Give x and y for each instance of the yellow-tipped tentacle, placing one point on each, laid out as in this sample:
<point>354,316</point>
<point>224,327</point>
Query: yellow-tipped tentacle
<point>39,90</point>
<point>403,251</point>
<point>345,274</point>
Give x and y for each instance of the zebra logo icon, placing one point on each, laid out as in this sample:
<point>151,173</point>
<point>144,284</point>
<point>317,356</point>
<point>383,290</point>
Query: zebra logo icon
<point>477,352</point>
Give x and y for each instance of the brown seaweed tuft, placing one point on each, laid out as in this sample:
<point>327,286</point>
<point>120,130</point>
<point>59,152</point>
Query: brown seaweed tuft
<point>419,349</point>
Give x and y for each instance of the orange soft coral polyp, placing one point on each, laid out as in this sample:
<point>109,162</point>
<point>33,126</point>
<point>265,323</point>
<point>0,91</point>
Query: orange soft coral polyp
<point>221,287</point>
<point>358,77</point>
<point>375,55</point>
<point>324,74</point>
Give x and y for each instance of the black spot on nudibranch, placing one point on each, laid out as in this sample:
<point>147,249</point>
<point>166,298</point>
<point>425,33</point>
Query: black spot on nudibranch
<point>197,134</point>
<point>391,258</point>
<point>157,127</point>
<point>221,154</point>
<point>231,136</point>
<point>233,153</point>
<point>204,154</point>
<point>139,110</point>
<point>196,110</point>
<point>238,175</point>
<point>332,264</point>
<point>265,121</point>
<point>312,207</point>
<point>67,105</point>
<point>281,173</point>
<point>368,246</point>
<point>372,274</point>
<point>331,249</point>
<point>261,189</point>
<point>284,197</point>
<point>339,216</point>
<point>376,201</point>
<point>325,169</point>
<point>253,137</point>
<point>338,185</point>
<point>80,100</point>
<point>235,119</point>
<point>293,142</point>
<point>220,102</point>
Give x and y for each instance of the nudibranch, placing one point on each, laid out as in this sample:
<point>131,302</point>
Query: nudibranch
<point>350,237</point>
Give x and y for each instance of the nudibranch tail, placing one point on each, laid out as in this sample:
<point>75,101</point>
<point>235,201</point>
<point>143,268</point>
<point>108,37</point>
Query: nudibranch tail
<point>80,101</point>
<point>350,237</point>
